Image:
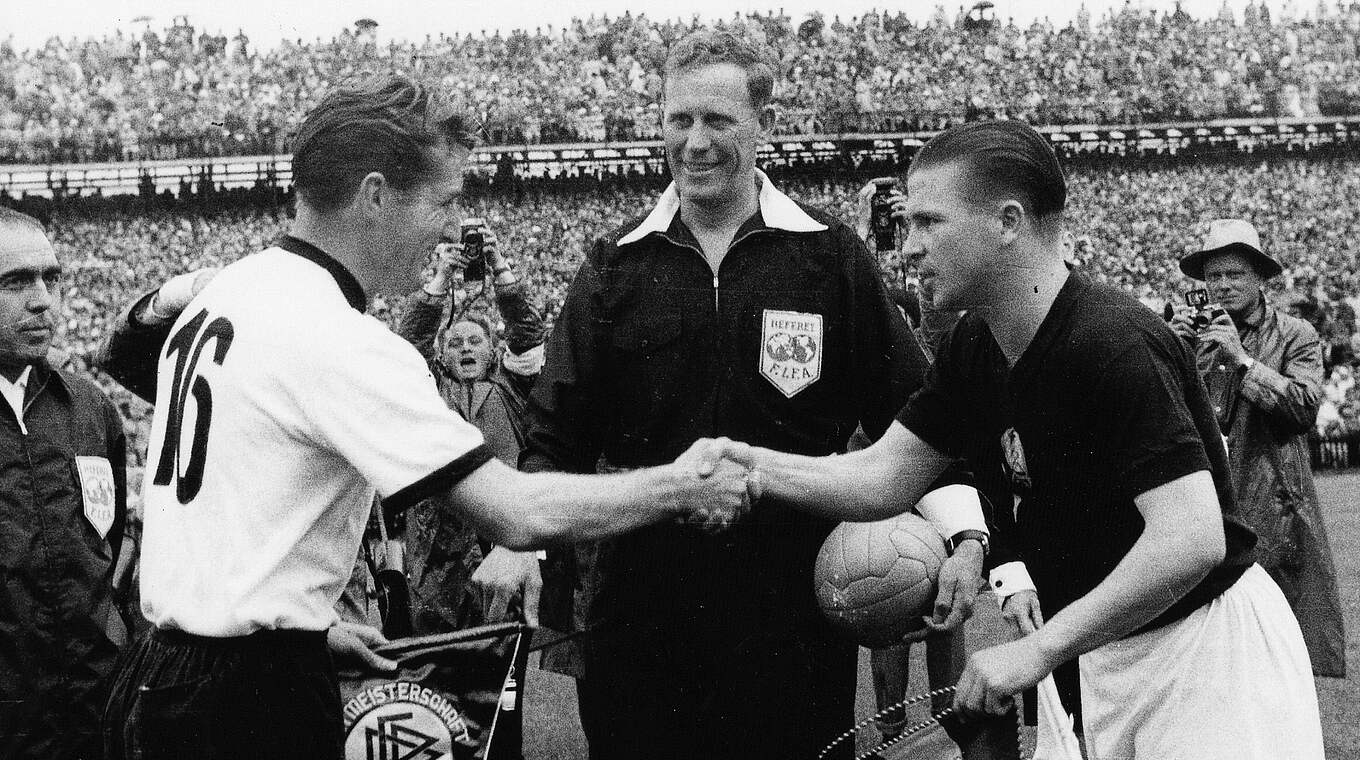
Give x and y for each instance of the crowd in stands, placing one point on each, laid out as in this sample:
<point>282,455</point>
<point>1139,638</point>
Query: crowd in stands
<point>1132,222</point>
<point>183,92</point>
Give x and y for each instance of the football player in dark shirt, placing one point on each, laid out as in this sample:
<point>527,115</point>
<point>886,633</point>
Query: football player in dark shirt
<point>1087,409</point>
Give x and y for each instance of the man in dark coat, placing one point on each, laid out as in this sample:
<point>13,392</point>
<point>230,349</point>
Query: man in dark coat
<point>63,509</point>
<point>1263,369</point>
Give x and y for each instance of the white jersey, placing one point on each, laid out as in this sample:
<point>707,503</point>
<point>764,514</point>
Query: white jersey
<point>286,409</point>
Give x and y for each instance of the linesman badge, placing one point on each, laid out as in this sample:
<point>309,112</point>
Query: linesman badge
<point>791,350</point>
<point>97,492</point>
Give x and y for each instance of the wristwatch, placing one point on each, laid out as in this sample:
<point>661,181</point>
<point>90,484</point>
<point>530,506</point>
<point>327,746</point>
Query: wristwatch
<point>953,541</point>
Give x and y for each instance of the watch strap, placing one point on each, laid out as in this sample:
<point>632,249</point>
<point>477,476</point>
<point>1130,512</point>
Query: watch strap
<point>953,541</point>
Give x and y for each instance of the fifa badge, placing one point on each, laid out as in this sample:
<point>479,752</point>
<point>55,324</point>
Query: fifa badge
<point>791,350</point>
<point>97,492</point>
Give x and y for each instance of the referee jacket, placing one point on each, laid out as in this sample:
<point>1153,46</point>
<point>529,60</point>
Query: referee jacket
<point>61,628</point>
<point>653,349</point>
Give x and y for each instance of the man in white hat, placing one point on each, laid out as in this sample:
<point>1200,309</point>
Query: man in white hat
<point>1263,370</point>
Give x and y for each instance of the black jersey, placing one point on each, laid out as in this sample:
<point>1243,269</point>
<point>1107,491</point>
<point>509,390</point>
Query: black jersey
<point>1105,404</point>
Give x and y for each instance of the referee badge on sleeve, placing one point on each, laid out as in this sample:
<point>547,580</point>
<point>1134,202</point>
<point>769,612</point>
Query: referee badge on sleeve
<point>791,350</point>
<point>97,492</point>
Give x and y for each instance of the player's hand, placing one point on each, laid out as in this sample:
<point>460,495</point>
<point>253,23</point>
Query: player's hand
<point>1223,333</point>
<point>504,575</point>
<point>1023,611</point>
<point>960,578</point>
<point>174,295</point>
<point>716,486</point>
<point>996,674</point>
<point>355,641</point>
<point>1182,325</point>
<point>706,454</point>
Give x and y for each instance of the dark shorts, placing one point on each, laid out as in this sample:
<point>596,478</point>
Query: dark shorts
<point>272,694</point>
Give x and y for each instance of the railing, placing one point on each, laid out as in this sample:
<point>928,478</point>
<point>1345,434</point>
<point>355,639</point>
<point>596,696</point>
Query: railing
<point>1334,453</point>
<point>173,163</point>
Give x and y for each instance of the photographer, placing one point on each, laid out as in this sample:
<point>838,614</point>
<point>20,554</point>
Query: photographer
<point>1263,370</point>
<point>487,383</point>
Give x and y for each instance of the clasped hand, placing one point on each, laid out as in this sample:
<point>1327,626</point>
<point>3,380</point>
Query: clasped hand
<point>720,483</point>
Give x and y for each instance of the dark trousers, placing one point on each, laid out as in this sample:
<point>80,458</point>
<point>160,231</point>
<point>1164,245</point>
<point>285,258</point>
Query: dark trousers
<point>269,695</point>
<point>777,696</point>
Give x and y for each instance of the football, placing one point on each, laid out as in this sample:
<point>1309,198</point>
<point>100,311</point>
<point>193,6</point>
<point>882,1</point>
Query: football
<point>875,580</point>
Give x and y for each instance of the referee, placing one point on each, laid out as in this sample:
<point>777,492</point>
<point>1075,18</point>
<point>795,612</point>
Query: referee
<point>281,409</point>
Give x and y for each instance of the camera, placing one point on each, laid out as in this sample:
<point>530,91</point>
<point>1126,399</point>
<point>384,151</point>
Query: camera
<point>881,221</point>
<point>1206,311</point>
<point>473,238</point>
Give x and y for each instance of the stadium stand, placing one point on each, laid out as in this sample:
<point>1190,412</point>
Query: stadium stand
<point>182,92</point>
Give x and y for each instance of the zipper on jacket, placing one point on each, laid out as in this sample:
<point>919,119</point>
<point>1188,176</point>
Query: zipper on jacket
<point>715,292</point>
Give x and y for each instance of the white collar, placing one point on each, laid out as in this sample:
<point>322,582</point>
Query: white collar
<point>777,209</point>
<point>13,393</point>
<point>20,383</point>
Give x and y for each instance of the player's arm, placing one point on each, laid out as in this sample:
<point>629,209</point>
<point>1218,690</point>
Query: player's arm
<point>525,511</point>
<point>1155,454</point>
<point>870,484</point>
<point>1008,578</point>
<point>129,352</point>
<point>1181,542</point>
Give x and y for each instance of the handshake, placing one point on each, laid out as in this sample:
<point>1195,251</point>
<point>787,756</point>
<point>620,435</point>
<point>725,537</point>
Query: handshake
<point>718,484</point>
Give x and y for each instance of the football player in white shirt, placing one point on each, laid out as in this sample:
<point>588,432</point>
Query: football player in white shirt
<point>281,409</point>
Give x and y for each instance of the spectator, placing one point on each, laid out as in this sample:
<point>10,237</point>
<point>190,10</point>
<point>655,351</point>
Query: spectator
<point>117,98</point>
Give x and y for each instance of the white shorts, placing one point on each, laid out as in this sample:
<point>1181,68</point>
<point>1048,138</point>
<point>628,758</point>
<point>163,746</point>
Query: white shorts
<point>1231,681</point>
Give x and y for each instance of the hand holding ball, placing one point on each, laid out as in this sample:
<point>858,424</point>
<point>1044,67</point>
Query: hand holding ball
<point>875,581</point>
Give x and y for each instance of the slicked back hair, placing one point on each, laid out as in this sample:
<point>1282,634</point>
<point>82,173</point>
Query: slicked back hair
<point>1001,159</point>
<point>11,219</point>
<point>708,47</point>
<point>390,124</point>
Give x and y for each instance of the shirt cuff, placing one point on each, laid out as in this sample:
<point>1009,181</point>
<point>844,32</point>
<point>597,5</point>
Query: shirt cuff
<point>1009,579</point>
<point>528,363</point>
<point>953,508</point>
